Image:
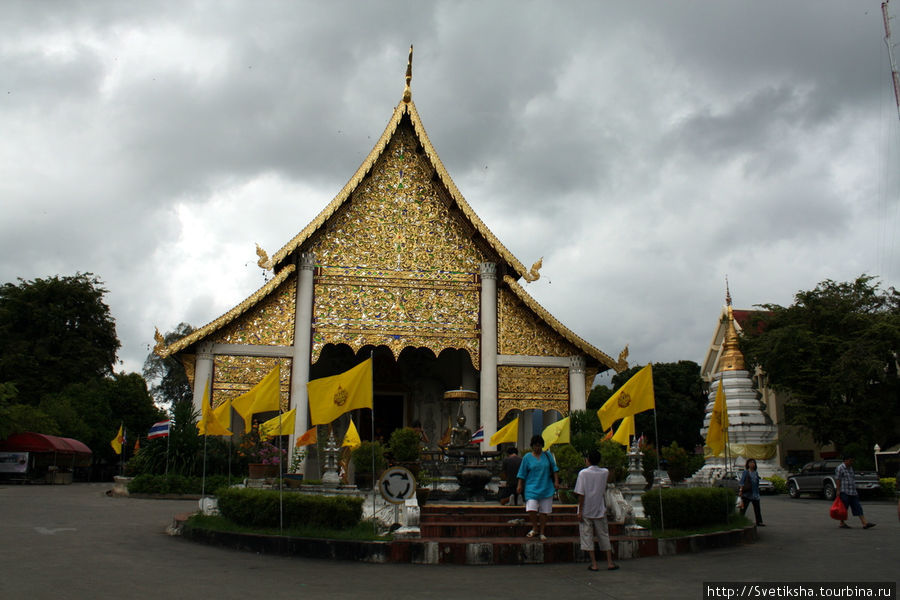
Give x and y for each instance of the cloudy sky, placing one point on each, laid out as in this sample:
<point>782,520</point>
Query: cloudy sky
<point>645,150</point>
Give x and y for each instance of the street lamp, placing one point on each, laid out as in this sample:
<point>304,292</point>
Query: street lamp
<point>877,450</point>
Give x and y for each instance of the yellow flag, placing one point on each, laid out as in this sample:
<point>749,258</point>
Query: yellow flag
<point>633,397</point>
<point>208,424</point>
<point>281,425</point>
<point>117,441</point>
<point>265,396</point>
<point>330,397</point>
<point>508,433</point>
<point>351,438</point>
<point>717,434</point>
<point>222,414</point>
<point>307,439</point>
<point>626,429</point>
<point>556,433</point>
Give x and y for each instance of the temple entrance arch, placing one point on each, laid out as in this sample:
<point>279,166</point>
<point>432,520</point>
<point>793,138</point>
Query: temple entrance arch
<point>408,389</point>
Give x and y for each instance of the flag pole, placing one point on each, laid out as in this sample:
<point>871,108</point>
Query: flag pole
<point>372,371</point>
<point>205,437</point>
<point>280,467</point>
<point>662,519</point>
<point>168,441</point>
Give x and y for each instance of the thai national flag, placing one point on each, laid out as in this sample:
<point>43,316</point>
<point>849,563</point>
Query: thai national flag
<point>159,430</point>
<point>478,436</point>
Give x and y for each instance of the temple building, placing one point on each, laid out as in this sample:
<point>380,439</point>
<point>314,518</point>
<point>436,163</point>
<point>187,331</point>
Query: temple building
<point>790,447</point>
<point>752,433</point>
<point>400,268</point>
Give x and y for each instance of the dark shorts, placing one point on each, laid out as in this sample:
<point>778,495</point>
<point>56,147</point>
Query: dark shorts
<point>852,504</point>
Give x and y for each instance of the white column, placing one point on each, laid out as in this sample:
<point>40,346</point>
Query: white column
<point>203,368</point>
<point>577,398</point>
<point>302,342</point>
<point>488,392</point>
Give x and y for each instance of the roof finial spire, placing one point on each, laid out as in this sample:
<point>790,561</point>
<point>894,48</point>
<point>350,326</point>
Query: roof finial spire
<point>407,93</point>
<point>727,292</point>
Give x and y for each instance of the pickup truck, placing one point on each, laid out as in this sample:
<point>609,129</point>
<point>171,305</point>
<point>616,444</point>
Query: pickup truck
<point>818,478</point>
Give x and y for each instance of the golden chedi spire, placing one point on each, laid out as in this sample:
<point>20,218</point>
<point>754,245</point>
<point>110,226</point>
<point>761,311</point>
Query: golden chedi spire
<point>407,93</point>
<point>731,358</point>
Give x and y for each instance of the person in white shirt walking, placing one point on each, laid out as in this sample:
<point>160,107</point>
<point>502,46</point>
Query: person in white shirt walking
<point>590,487</point>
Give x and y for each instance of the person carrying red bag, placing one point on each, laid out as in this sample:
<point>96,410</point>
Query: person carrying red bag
<point>845,479</point>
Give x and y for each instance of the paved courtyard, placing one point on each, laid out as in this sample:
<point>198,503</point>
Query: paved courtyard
<point>75,542</point>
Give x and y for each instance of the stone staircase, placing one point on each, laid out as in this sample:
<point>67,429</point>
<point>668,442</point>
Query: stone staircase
<point>492,534</point>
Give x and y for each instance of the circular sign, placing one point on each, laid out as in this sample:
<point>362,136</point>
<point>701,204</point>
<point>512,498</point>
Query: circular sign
<point>397,485</point>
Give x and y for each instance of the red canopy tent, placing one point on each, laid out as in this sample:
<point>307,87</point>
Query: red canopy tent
<point>48,451</point>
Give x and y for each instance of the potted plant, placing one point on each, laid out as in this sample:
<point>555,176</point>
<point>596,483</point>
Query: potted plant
<point>406,449</point>
<point>294,476</point>
<point>362,458</point>
<point>267,459</point>
<point>423,482</point>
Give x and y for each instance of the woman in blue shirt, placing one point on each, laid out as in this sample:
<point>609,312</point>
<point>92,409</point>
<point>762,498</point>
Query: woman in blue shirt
<point>538,479</point>
<point>750,491</point>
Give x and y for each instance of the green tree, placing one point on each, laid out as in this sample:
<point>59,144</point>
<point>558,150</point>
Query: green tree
<point>680,403</point>
<point>92,412</point>
<point>834,351</point>
<point>599,394</point>
<point>169,381</point>
<point>54,332</point>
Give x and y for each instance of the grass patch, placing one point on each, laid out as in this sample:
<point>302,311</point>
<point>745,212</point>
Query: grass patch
<point>735,521</point>
<point>362,531</point>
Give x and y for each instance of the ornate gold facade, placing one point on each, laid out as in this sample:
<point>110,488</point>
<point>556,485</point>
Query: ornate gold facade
<point>395,266</point>
<point>271,322</point>
<point>525,388</point>
<point>522,332</point>
<point>235,375</point>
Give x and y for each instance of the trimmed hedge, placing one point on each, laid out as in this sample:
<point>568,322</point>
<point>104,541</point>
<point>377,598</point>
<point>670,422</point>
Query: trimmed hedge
<point>779,483</point>
<point>689,508</point>
<point>175,484</point>
<point>259,508</point>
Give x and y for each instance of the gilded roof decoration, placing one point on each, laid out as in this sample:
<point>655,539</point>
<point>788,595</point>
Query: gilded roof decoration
<point>269,323</point>
<point>521,334</point>
<point>408,284</point>
<point>228,317</point>
<point>402,109</point>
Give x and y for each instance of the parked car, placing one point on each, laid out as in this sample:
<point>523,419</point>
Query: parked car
<point>818,478</point>
<point>661,479</point>
<point>734,482</point>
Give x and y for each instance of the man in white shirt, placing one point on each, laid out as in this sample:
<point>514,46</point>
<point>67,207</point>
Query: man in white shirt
<point>590,487</point>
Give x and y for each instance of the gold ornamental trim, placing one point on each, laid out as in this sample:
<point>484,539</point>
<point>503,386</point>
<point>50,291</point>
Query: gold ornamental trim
<point>228,317</point>
<point>505,405</point>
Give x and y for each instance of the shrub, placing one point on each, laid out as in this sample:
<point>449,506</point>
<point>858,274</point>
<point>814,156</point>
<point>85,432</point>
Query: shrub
<point>569,461</point>
<point>676,459</point>
<point>888,487</point>
<point>260,508</point>
<point>613,457</point>
<point>779,483</point>
<point>362,457</point>
<point>689,508</point>
<point>405,445</point>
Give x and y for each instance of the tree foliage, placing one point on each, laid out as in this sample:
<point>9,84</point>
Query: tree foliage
<point>680,404</point>
<point>58,349</point>
<point>54,332</point>
<point>835,352</point>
